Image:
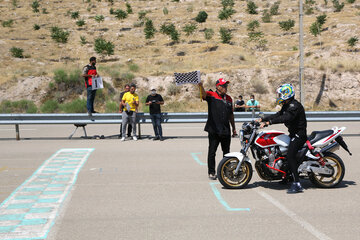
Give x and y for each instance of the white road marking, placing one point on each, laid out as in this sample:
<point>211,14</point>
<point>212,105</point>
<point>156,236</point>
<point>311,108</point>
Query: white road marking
<point>293,216</point>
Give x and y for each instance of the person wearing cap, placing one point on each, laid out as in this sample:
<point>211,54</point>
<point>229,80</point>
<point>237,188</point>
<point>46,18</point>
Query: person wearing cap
<point>220,114</point>
<point>154,101</point>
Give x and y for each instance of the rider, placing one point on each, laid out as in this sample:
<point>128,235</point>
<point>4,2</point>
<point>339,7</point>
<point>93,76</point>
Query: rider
<point>292,114</point>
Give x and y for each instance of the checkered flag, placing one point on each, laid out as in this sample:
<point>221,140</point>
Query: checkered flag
<point>190,77</point>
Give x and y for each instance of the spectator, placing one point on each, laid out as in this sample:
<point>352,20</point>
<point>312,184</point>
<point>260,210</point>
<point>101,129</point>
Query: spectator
<point>220,114</point>
<point>130,101</point>
<point>89,71</point>
<point>154,101</point>
<point>239,105</point>
<point>121,107</point>
<point>252,104</point>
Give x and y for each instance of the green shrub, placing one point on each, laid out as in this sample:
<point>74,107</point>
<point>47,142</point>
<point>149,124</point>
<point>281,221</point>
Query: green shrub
<point>50,106</point>
<point>173,89</point>
<point>17,52</point>
<point>133,67</point>
<point>59,35</point>
<point>76,106</point>
<point>170,30</point>
<point>321,19</point>
<point>80,23</point>
<point>128,77</point>
<point>189,29</point>
<point>208,33</point>
<point>7,23</point>
<point>308,7</point>
<point>253,25</point>
<point>274,9</point>
<point>165,11</point>
<point>83,40</point>
<point>111,107</point>
<point>71,79</point>
<point>227,3</point>
<point>44,11</point>
<point>142,14</point>
<point>350,1</point>
<point>99,18</point>
<point>128,8</point>
<point>315,29</point>
<point>266,17</point>
<point>149,29</point>
<point>120,14</point>
<point>201,17</point>
<point>251,7</point>
<point>36,27</point>
<point>352,41</point>
<point>21,106</point>
<point>104,47</point>
<point>225,35</point>
<point>287,25</point>
<point>35,6</point>
<point>338,6</point>
<point>226,13</point>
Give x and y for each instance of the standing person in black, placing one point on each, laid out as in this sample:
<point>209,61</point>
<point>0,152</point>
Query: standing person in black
<point>293,115</point>
<point>220,114</point>
<point>239,105</point>
<point>154,101</point>
<point>89,71</point>
<point>121,107</point>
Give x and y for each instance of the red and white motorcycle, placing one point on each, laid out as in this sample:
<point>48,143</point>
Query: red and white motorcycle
<point>316,159</point>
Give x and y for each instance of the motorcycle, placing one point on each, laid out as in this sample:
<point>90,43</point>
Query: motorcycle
<point>316,159</point>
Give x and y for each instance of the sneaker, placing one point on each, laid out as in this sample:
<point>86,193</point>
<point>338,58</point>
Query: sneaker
<point>161,139</point>
<point>295,188</point>
<point>122,139</point>
<point>90,114</point>
<point>134,138</point>
<point>212,176</point>
<point>156,138</point>
<point>94,112</point>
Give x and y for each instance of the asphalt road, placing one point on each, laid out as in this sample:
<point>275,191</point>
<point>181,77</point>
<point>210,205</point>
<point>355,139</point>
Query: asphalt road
<point>80,189</point>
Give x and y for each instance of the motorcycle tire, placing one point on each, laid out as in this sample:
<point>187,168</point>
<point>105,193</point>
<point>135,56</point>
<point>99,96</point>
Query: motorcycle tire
<point>226,176</point>
<point>338,168</point>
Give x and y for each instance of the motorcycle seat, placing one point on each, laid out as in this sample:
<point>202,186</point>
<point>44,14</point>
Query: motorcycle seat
<point>317,135</point>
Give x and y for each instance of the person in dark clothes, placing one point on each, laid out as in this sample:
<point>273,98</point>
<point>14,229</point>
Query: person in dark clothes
<point>220,114</point>
<point>154,101</point>
<point>240,105</point>
<point>89,71</point>
<point>292,114</point>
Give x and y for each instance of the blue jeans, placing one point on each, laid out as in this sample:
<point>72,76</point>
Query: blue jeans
<point>156,122</point>
<point>90,99</point>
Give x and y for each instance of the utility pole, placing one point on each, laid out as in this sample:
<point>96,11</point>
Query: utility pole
<point>301,48</point>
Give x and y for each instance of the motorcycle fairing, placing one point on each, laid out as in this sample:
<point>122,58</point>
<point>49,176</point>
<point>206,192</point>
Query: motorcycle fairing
<point>272,138</point>
<point>239,156</point>
<point>323,138</point>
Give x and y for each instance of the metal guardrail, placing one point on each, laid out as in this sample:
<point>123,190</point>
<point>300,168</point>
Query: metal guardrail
<point>82,119</point>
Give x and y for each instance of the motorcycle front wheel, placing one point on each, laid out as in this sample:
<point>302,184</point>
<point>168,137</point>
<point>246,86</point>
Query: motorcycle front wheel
<point>335,163</point>
<point>228,178</point>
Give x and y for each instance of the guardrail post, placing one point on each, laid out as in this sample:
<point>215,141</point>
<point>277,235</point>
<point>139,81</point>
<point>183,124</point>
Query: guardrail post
<point>17,132</point>
<point>139,127</point>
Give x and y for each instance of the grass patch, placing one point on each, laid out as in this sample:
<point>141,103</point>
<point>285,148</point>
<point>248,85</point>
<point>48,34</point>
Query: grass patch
<point>21,106</point>
<point>76,106</point>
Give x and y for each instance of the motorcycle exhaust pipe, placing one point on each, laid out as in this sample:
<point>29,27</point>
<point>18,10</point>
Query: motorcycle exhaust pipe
<point>331,148</point>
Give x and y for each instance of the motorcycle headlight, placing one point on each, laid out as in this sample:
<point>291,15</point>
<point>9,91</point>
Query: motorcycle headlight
<point>241,136</point>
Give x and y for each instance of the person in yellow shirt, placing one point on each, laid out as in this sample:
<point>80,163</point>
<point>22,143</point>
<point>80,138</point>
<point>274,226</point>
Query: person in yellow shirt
<point>130,101</point>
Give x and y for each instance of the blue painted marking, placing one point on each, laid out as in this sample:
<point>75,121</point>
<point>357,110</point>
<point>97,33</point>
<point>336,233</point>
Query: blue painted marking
<point>48,200</point>
<point>40,183</point>
<point>12,217</point>
<point>45,176</point>
<point>71,165</point>
<point>222,201</point>
<point>20,206</point>
<point>23,197</point>
<point>56,185</point>
<point>196,158</point>
<point>64,173</point>
<point>53,167</point>
<point>41,210</point>
<point>59,179</point>
<point>49,171</point>
<point>7,229</point>
<point>67,169</point>
<point>37,221</point>
<point>53,192</point>
<point>33,189</point>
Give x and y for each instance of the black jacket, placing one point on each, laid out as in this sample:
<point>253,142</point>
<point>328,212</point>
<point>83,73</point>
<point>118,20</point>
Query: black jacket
<point>292,114</point>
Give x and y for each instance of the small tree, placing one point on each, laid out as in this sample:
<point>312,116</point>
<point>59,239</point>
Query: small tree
<point>321,19</point>
<point>120,14</point>
<point>251,7</point>
<point>35,6</point>
<point>129,8</point>
<point>103,47</point>
<point>201,17</point>
<point>225,35</point>
<point>36,27</point>
<point>287,25</point>
<point>59,35</point>
<point>189,29</point>
<point>149,29</point>
<point>170,30</point>
<point>315,29</point>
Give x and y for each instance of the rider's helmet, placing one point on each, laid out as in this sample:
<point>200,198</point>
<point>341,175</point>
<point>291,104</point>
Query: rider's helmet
<point>285,92</point>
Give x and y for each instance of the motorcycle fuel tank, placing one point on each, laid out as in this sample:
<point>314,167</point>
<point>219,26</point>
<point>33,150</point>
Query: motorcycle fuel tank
<point>272,138</point>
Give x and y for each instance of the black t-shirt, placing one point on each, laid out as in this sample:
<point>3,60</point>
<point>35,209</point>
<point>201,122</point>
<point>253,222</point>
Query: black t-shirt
<point>220,109</point>
<point>154,107</point>
<point>240,103</point>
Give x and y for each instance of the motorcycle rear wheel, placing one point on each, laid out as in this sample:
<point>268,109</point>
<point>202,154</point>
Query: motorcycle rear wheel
<point>338,168</point>
<point>228,178</point>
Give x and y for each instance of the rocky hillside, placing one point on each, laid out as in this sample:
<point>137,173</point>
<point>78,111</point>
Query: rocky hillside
<point>40,37</point>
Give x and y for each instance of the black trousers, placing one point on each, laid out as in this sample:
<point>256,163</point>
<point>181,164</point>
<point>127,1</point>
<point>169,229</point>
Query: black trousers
<point>128,131</point>
<point>295,145</point>
<point>214,140</point>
